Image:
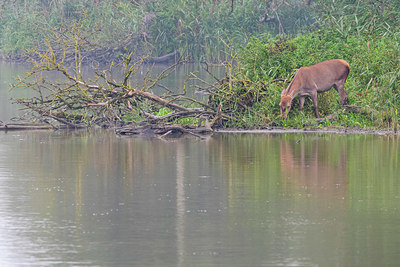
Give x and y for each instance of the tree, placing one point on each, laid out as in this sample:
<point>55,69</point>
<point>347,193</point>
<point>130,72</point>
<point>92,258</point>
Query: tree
<point>76,101</point>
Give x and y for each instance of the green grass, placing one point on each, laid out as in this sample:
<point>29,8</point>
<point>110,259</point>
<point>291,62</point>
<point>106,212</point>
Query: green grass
<point>370,45</point>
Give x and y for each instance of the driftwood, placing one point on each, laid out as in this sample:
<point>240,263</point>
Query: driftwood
<point>24,126</point>
<point>171,57</point>
<point>164,131</point>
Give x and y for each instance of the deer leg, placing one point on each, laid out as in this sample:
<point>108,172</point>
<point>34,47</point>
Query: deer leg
<point>315,102</point>
<point>343,94</point>
<point>301,102</point>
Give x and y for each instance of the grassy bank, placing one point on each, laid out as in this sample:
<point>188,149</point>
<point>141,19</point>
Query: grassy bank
<point>368,39</point>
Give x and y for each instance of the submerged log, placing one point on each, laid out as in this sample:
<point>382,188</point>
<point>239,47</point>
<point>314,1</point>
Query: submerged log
<point>167,131</point>
<point>24,126</point>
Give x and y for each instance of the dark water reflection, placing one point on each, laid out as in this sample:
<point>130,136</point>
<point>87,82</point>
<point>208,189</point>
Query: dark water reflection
<point>91,198</point>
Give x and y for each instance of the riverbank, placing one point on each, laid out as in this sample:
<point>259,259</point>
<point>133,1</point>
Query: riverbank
<point>327,130</point>
<point>178,131</point>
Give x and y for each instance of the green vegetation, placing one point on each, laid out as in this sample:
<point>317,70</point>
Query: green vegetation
<point>363,33</point>
<point>199,28</point>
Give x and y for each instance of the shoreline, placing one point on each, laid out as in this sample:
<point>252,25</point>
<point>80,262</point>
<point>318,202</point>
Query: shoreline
<point>157,129</point>
<point>329,130</point>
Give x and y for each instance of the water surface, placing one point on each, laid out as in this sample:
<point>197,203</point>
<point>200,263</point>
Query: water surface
<point>95,199</point>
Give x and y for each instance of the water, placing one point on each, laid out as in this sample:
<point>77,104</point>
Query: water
<point>91,198</point>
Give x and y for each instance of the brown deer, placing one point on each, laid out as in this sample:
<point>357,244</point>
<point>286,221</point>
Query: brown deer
<point>315,79</point>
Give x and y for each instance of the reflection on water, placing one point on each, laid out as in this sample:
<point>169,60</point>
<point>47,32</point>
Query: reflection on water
<point>92,198</point>
<point>309,167</point>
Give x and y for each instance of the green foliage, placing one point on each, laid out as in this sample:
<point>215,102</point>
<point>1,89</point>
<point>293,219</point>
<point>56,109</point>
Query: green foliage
<point>365,40</point>
<point>199,28</point>
<point>163,111</point>
<point>23,23</point>
<point>182,121</point>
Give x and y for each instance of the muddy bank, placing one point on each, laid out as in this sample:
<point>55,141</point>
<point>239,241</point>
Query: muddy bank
<point>330,130</point>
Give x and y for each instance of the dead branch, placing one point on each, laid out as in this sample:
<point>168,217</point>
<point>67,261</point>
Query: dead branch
<point>74,98</point>
<point>103,99</point>
<point>157,99</point>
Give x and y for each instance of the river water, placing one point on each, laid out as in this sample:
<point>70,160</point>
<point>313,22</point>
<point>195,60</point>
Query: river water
<point>91,198</point>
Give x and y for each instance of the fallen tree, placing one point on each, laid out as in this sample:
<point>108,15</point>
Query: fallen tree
<point>76,101</point>
<point>171,57</point>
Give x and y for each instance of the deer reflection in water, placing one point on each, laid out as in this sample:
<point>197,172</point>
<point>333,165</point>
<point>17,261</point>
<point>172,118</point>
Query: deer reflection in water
<point>309,167</point>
